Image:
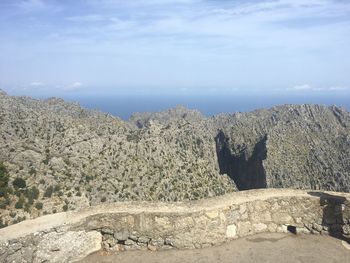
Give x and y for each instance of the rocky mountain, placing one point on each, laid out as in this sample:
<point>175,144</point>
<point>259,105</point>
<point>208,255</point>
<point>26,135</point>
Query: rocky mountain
<point>295,146</point>
<point>57,156</point>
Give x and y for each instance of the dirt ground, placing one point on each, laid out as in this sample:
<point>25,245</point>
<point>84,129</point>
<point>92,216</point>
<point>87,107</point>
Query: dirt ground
<point>266,247</point>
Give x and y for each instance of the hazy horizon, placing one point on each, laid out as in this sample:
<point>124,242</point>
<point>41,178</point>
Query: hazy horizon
<point>125,105</point>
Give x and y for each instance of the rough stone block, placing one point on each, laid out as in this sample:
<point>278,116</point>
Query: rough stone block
<point>231,231</point>
<point>282,218</point>
<point>157,242</point>
<point>212,214</point>
<point>302,230</point>
<point>68,246</point>
<point>272,227</point>
<point>244,229</point>
<point>121,235</point>
<point>151,247</point>
<point>260,227</point>
<point>143,240</point>
<point>242,209</point>
<point>233,216</point>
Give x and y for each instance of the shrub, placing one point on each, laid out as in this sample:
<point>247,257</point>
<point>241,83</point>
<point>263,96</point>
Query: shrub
<point>32,171</point>
<point>4,177</point>
<point>19,183</point>
<point>57,188</point>
<point>46,160</point>
<point>20,203</point>
<point>48,192</point>
<point>18,193</point>
<point>4,203</point>
<point>103,199</point>
<point>10,190</point>
<point>2,224</point>
<point>39,205</point>
<point>33,193</point>
<point>4,191</point>
<point>13,214</point>
<point>19,219</point>
<point>30,201</point>
<point>65,207</point>
<point>27,207</point>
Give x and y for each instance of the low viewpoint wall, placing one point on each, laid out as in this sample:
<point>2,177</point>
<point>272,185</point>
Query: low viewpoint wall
<point>71,236</point>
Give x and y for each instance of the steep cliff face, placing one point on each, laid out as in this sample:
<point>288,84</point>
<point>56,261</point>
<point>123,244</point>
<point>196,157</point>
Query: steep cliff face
<point>247,171</point>
<point>307,146</point>
<point>70,158</point>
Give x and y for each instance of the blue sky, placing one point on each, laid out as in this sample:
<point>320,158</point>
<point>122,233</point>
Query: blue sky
<point>174,46</point>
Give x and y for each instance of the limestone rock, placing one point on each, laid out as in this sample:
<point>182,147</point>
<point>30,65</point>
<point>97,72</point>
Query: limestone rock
<point>231,231</point>
<point>67,247</point>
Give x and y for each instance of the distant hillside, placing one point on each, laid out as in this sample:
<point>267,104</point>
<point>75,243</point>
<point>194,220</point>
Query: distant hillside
<point>58,156</point>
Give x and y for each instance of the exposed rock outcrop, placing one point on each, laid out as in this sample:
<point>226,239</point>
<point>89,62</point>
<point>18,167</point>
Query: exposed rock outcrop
<point>67,246</point>
<point>247,171</point>
<point>300,146</point>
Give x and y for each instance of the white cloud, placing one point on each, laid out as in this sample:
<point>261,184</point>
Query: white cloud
<point>185,23</point>
<point>77,84</point>
<point>302,87</point>
<point>307,87</point>
<point>36,84</point>
<point>73,86</point>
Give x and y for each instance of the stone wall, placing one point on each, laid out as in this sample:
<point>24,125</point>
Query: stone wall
<point>142,225</point>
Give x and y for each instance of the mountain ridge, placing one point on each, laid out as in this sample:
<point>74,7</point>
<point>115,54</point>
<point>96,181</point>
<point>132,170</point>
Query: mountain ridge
<point>70,157</point>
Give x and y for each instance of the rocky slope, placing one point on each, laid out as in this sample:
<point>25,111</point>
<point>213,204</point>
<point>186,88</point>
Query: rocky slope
<point>57,156</point>
<point>297,146</point>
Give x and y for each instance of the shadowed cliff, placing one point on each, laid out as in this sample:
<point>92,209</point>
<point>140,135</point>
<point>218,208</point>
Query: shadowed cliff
<point>246,171</point>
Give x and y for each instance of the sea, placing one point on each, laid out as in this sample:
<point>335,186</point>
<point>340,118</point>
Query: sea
<point>124,106</point>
